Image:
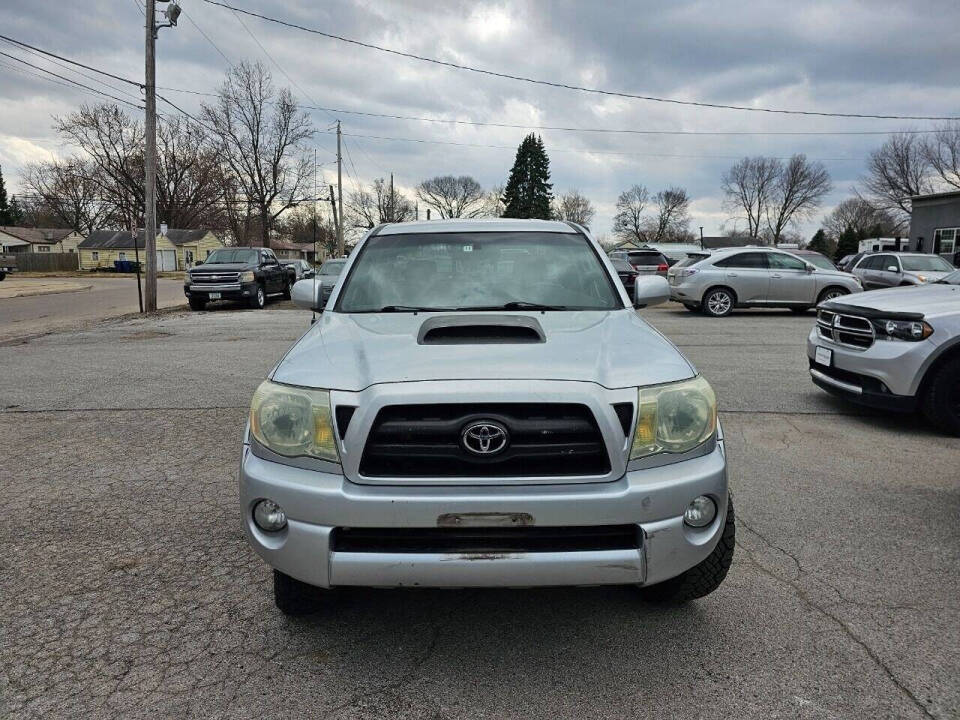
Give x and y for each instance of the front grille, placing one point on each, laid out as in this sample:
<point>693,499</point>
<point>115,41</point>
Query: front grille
<point>485,539</point>
<point>214,278</point>
<point>545,440</point>
<point>849,330</point>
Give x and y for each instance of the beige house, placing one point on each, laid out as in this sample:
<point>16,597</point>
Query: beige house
<point>177,250</point>
<point>38,240</point>
<point>286,250</point>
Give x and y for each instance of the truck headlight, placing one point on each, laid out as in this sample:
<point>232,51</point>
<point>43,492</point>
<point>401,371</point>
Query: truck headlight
<point>293,421</point>
<point>247,277</point>
<point>674,418</point>
<point>914,330</point>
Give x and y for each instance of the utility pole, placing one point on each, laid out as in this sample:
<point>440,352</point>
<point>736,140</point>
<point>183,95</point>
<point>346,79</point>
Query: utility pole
<point>339,195</point>
<point>336,220</point>
<point>136,255</point>
<point>150,150</point>
<point>701,237</point>
<point>392,216</point>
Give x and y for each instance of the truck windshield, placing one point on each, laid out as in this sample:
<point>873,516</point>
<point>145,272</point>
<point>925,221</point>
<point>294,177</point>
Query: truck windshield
<point>231,255</point>
<point>477,271</point>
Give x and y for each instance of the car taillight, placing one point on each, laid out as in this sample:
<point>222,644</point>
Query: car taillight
<point>662,267</point>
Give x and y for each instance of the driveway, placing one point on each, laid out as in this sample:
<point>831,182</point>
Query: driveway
<point>128,590</point>
<point>82,300</point>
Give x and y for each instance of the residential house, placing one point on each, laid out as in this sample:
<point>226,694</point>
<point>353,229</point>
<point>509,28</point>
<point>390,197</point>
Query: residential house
<point>935,224</point>
<point>38,240</point>
<point>177,250</point>
<point>286,250</point>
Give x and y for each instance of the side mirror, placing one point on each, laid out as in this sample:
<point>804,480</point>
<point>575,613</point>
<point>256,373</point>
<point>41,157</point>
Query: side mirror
<point>308,273</point>
<point>306,294</point>
<point>893,269</point>
<point>650,290</point>
<point>809,268</point>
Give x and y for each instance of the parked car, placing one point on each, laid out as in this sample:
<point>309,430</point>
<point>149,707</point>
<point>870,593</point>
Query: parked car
<point>847,262</point>
<point>8,264</point>
<point>627,274</point>
<point>449,426</point>
<point>248,273</point>
<point>719,281</point>
<point>885,270</point>
<point>328,276</point>
<point>815,258</point>
<point>645,260</point>
<point>893,349</point>
<point>301,268</point>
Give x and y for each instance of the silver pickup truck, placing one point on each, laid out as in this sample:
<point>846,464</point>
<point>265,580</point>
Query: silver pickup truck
<point>479,404</point>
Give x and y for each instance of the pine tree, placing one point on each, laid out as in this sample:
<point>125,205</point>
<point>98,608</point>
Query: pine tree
<point>5,218</point>
<point>15,212</point>
<point>529,192</point>
<point>819,242</point>
<point>848,244</point>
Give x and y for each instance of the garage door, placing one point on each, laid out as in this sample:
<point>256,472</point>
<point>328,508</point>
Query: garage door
<point>166,260</point>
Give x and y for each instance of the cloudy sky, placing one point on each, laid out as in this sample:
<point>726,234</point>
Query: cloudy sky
<point>873,57</point>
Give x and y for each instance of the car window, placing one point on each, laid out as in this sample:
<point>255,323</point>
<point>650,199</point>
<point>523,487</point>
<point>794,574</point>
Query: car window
<point>930,263</point>
<point>748,260</point>
<point>691,259</point>
<point>882,262</point>
<point>779,261</point>
<point>621,265</point>
<point>647,258</point>
<point>472,270</point>
<point>866,263</point>
<point>819,261</point>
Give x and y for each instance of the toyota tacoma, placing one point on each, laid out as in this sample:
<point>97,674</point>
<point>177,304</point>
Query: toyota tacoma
<point>479,404</point>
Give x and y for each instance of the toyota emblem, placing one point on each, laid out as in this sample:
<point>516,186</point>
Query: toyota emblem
<point>484,438</point>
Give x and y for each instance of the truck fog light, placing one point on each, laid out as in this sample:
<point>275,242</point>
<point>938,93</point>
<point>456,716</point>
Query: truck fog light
<point>269,516</point>
<point>700,512</point>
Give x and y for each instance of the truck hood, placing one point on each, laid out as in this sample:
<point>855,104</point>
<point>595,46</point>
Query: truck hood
<point>353,351</point>
<point>931,300</point>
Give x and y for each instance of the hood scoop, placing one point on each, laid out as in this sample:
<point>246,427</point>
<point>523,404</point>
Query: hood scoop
<point>480,330</point>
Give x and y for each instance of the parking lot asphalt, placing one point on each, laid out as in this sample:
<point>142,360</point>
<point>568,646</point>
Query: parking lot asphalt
<point>127,589</point>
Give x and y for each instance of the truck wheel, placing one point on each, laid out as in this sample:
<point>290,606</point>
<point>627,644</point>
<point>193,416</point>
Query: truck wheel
<point>718,302</point>
<point>293,597</point>
<point>259,299</point>
<point>286,290</point>
<point>197,303</point>
<point>703,578</point>
<point>941,401</point>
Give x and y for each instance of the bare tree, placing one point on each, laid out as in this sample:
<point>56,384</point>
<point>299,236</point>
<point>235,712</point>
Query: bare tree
<point>862,217</point>
<point>69,193</point>
<point>574,207</point>
<point>298,226</point>
<point>797,192</point>
<point>493,204</point>
<point>896,171</point>
<point>748,186</point>
<point>260,134</point>
<point>367,208</point>
<point>453,197</point>
<point>628,223</point>
<point>942,152</point>
<point>672,220</point>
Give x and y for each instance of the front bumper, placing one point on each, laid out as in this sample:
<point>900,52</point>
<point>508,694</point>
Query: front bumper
<point>653,499</point>
<point>886,375</point>
<point>227,291</point>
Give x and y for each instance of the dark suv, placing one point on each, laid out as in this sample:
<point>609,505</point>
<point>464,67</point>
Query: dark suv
<point>249,273</point>
<point>645,261</point>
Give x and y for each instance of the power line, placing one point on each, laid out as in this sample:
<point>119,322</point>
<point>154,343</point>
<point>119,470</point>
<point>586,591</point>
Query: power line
<point>72,62</point>
<point>197,26</point>
<point>71,80</point>
<point>567,86</point>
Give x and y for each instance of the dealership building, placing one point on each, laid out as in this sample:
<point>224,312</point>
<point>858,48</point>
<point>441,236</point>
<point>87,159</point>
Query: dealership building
<point>935,224</point>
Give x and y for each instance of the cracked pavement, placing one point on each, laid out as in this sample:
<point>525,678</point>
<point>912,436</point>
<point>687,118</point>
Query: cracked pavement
<point>127,588</point>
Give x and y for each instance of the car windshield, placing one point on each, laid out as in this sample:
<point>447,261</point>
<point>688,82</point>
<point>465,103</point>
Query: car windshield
<point>818,261</point>
<point>647,259</point>
<point>478,271</point>
<point>332,267</point>
<point>951,279</point>
<point>930,263</point>
<point>232,255</point>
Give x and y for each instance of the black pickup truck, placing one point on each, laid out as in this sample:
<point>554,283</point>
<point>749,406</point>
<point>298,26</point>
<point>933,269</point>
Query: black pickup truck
<point>247,273</point>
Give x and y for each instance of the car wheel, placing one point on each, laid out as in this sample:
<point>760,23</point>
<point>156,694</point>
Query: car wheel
<point>718,302</point>
<point>831,293</point>
<point>259,300</point>
<point>941,400</point>
<point>703,578</point>
<point>197,303</point>
<point>293,597</point>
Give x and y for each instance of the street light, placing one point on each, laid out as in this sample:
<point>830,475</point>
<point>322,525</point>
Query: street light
<point>171,14</point>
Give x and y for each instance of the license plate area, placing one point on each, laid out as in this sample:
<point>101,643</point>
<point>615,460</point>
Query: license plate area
<point>214,296</point>
<point>823,356</point>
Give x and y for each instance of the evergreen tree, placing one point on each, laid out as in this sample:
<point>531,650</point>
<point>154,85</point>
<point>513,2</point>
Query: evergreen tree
<point>819,242</point>
<point>15,212</point>
<point>4,207</point>
<point>528,192</point>
<point>848,243</point>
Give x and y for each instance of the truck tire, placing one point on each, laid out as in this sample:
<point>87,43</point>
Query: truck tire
<point>197,303</point>
<point>718,302</point>
<point>941,399</point>
<point>703,578</point>
<point>286,289</point>
<point>293,597</point>
<point>259,298</point>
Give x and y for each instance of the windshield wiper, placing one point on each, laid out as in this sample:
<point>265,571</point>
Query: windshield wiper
<point>404,308</point>
<point>517,305</point>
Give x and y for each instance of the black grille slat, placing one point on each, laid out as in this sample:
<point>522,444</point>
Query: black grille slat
<point>486,539</point>
<point>554,439</point>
